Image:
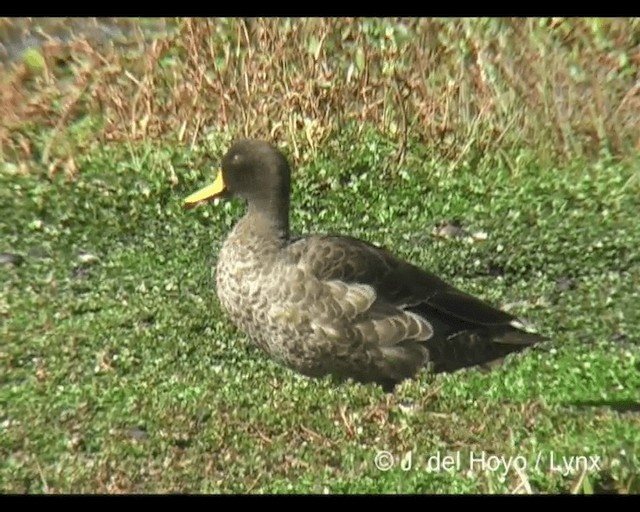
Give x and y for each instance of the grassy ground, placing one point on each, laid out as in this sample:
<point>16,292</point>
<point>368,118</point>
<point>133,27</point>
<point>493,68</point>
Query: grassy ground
<point>120,373</point>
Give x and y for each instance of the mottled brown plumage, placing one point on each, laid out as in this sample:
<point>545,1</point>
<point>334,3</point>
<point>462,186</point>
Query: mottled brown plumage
<point>334,305</point>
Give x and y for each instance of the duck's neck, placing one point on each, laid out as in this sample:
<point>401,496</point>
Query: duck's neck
<point>268,219</point>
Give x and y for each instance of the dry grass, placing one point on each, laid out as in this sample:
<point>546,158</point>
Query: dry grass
<point>562,87</point>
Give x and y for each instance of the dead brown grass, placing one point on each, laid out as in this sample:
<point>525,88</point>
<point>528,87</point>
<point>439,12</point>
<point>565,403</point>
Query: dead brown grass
<point>562,87</point>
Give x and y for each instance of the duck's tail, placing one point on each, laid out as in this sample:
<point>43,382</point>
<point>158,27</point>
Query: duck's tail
<point>483,348</point>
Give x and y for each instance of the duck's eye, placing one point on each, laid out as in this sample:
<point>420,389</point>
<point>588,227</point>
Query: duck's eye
<point>236,158</point>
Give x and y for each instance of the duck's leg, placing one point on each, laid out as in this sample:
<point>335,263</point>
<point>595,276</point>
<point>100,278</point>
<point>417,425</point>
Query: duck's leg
<point>388,386</point>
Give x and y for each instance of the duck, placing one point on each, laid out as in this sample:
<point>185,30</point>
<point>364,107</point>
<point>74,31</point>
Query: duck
<point>332,305</point>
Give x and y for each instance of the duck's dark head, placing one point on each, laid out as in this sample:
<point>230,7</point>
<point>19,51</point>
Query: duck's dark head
<point>251,169</point>
<point>257,172</point>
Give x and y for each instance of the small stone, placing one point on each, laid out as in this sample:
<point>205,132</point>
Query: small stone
<point>11,259</point>
<point>137,433</point>
<point>449,229</point>
<point>87,258</point>
<point>619,337</point>
<point>565,284</point>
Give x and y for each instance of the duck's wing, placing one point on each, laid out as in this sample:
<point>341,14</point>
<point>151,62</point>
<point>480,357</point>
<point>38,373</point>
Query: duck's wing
<point>465,330</point>
<point>394,280</point>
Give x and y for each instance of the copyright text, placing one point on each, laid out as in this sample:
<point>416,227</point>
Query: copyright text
<point>482,461</point>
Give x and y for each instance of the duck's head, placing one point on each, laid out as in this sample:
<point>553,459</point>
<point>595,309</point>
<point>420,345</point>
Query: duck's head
<point>254,170</point>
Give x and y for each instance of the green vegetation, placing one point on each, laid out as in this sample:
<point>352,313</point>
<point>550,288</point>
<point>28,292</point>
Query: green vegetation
<point>118,371</point>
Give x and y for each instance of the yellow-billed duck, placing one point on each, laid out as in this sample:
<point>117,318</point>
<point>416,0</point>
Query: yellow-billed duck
<point>335,305</point>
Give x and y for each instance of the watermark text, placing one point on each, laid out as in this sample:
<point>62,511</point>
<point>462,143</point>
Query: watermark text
<point>482,461</point>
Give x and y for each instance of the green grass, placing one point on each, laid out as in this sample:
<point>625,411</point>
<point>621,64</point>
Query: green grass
<point>119,373</point>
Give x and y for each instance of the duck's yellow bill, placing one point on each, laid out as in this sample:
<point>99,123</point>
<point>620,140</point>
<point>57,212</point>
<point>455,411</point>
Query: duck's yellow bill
<point>207,193</point>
